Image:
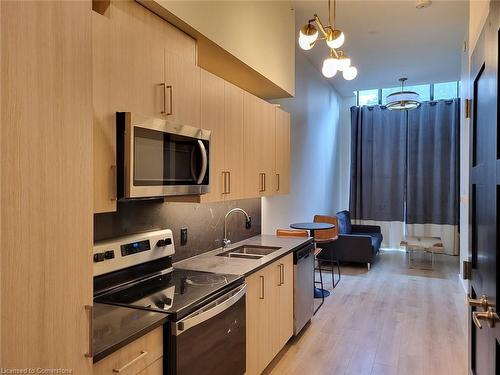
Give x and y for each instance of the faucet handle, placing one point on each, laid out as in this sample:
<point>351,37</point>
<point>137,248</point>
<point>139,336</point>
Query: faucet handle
<point>226,242</point>
<point>248,223</point>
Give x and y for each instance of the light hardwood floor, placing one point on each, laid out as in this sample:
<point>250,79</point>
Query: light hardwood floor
<point>389,320</point>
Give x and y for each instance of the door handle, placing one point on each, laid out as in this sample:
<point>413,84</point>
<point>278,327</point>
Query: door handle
<point>481,302</point>
<point>490,316</point>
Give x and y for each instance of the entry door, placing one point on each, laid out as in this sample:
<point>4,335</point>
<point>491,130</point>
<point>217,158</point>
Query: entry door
<point>484,337</point>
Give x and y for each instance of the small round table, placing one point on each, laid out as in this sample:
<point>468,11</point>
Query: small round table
<point>311,227</point>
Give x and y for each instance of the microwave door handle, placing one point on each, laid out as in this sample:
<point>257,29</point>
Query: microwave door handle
<point>204,162</point>
<point>225,302</point>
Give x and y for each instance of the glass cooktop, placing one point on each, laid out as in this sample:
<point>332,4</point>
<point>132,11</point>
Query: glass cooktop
<point>178,293</point>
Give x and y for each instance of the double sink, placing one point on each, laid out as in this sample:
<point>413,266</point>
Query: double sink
<point>249,252</point>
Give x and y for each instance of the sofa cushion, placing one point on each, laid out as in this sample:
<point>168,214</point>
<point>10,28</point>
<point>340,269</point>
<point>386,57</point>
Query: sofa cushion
<point>344,222</point>
<point>376,239</point>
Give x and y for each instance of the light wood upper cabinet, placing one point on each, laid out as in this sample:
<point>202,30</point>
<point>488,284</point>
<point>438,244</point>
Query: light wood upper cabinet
<point>182,90</point>
<point>234,145</point>
<point>269,148</point>
<point>269,313</point>
<point>282,181</point>
<point>212,118</point>
<point>129,75</point>
<point>260,145</point>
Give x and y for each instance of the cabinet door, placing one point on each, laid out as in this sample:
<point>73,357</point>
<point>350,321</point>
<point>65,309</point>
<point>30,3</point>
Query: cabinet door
<point>212,118</point>
<point>285,317</point>
<point>182,90</point>
<point>256,323</point>
<point>127,77</point>
<point>268,145</point>
<point>234,145</point>
<point>253,117</point>
<point>282,181</point>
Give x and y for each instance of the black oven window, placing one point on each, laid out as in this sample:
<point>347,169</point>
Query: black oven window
<point>165,159</point>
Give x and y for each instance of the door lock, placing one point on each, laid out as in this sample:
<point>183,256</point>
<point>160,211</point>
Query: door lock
<point>481,302</point>
<point>490,316</point>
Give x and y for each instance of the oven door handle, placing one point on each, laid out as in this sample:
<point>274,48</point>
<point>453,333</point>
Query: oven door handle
<point>204,162</point>
<point>216,307</point>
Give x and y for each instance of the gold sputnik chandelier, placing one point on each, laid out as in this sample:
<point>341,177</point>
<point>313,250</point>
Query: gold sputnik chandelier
<point>334,38</point>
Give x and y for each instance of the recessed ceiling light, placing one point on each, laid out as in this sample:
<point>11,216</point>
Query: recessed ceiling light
<point>420,4</point>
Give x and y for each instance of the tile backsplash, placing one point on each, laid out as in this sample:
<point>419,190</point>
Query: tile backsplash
<point>205,222</point>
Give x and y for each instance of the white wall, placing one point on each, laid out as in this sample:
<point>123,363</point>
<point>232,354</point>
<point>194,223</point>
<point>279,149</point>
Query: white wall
<point>315,136</point>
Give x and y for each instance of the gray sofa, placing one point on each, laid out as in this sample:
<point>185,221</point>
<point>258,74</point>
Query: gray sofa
<point>356,243</point>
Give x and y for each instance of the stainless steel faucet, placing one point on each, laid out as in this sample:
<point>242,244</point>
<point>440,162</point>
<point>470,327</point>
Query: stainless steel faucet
<point>248,224</point>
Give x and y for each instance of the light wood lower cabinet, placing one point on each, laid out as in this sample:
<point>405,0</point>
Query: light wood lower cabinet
<point>142,356</point>
<point>269,310</point>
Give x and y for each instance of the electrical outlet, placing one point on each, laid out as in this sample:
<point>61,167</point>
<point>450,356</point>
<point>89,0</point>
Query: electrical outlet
<point>184,236</point>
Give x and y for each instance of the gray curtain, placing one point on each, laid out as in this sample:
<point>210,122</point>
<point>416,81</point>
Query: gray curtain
<point>378,149</point>
<point>433,163</point>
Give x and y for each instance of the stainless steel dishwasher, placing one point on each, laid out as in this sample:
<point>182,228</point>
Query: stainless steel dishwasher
<point>303,287</point>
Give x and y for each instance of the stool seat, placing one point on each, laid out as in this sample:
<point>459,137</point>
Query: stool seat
<point>327,240</point>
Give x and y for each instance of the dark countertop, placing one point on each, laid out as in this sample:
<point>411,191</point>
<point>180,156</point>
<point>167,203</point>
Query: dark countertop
<point>116,326</point>
<point>210,262</point>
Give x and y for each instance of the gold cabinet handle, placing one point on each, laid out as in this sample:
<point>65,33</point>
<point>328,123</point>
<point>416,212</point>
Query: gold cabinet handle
<point>282,274</point>
<point>261,182</point>
<point>277,182</point>
<point>125,366</point>
<point>224,188</point>
<point>489,316</point>
<point>170,100</point>
<point>264,181</point>
<point>261,287</point>
<point>228,182</point>
<point>164,110</point>
<point>90,315</point>
<point>480,302</point>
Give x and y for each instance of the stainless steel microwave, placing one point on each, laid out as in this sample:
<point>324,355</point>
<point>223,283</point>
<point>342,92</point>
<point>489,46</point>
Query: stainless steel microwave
<point>156,158</point>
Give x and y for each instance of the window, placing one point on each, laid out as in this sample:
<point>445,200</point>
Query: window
<point>368,97</point>
<point>446,90</point>
<point>436,91</point>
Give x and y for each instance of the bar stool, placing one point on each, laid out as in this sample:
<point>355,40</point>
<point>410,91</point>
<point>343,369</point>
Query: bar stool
<point>317,250</point>
<point>325,237</point>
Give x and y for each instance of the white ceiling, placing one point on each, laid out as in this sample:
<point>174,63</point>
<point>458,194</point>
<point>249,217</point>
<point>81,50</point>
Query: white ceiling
<point>391,39</point>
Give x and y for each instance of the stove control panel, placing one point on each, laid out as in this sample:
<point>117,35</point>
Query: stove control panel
<point>118,253</point>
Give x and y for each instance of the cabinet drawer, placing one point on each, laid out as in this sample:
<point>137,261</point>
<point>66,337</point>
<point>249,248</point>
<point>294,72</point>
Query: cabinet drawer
<point>134,357</point>
<point>155,368</point>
